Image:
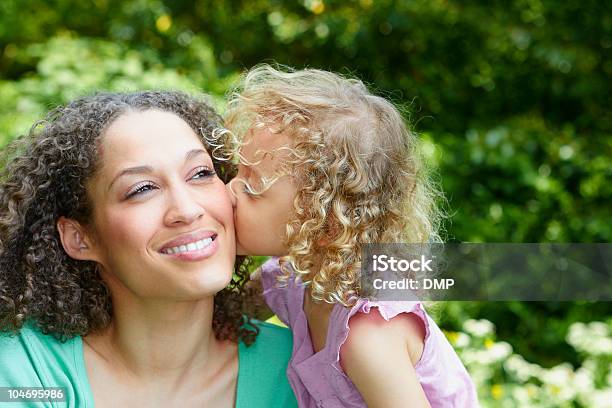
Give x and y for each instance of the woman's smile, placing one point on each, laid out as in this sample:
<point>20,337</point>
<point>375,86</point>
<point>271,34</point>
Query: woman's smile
<point>194,246</point>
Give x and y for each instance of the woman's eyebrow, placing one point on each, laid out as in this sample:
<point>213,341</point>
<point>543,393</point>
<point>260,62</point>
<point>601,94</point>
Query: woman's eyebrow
<point>194,153</point>
<point>131,170</point>
<point>148,169</point>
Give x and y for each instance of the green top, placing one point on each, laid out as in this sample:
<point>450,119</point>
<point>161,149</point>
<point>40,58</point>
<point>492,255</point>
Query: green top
<point>32,359</point>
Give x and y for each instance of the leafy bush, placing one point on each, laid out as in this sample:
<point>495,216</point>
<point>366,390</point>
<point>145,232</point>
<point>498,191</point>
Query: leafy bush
<point>506,379</point>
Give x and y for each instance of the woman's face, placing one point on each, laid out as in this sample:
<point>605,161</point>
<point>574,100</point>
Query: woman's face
<point>162,219</point>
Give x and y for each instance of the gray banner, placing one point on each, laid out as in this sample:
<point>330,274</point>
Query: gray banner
<point>489,272</point>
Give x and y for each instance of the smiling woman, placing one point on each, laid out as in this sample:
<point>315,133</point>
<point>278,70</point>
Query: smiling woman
<point>117,262</point>
<point>156,192</point>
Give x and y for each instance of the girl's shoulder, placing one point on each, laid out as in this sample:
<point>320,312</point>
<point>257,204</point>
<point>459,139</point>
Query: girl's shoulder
<point>441,373</point>
<point>367,318</point>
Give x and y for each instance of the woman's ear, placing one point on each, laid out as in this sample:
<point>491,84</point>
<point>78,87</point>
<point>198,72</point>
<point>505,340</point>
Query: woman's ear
<point>75,241</point>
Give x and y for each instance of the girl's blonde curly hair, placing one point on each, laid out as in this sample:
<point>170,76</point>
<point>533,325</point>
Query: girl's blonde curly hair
<point>359,172</point>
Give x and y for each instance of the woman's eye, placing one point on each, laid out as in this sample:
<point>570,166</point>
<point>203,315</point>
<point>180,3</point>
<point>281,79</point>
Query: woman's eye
<point>141,188</point>
<point>202,173</point>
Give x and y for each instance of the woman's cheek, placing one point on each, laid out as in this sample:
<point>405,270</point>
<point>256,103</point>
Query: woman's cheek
<point>221,209</point>
<point>128,227</point>
<point>228,213</point>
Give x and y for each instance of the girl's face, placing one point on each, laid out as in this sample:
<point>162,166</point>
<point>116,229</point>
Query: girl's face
<point>261,219</point>
<point>162,220</point>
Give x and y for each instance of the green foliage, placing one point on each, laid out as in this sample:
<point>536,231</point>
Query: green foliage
<point>513,96</point>
<point>536,330</point>
<point>506,379</point>
<point>511,100</point>
<point>66,67</point>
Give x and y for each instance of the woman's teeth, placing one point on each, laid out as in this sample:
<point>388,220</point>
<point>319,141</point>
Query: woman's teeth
<point>192,246</point>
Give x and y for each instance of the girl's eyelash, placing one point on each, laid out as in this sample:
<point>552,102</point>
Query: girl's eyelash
<point>140,188</point>
<point>247,189</point>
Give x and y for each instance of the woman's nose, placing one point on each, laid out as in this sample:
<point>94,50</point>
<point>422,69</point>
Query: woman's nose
<point>184,208</point>
<point>230,190</point>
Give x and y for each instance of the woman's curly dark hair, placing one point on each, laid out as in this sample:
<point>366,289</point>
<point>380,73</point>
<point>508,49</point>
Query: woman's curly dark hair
<point>43,177</point>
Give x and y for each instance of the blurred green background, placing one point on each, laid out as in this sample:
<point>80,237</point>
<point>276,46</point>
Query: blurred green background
<point>512,100</point>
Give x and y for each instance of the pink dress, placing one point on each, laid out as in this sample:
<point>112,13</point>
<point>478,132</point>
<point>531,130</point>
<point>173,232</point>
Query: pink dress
<point>318,380</point>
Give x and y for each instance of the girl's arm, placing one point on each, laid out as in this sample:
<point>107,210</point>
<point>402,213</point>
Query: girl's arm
<point>264,279</point>
<point>379,356</point>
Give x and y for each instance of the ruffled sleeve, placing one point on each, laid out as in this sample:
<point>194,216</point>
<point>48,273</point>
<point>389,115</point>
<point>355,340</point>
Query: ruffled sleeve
<point>276,297</point>
<point>388,310</point>
<point>440,372</point>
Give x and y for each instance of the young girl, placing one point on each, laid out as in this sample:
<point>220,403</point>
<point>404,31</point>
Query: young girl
<point>326,167</point>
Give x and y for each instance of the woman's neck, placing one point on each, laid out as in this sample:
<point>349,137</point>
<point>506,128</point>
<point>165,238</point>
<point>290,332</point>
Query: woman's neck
<point>159,340</point>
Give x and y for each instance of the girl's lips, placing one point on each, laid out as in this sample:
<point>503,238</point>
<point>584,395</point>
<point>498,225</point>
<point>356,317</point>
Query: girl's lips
<point>197,254</point>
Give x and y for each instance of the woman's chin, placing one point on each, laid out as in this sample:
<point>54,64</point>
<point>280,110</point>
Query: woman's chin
<point>217,283</point>
<point>200,290</point>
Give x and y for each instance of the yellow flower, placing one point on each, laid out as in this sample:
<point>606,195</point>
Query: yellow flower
<point>317,7</point>
<point>497,391</point>
<point>489,343</point>
<point>532,390</point>
<point>163,23</point>
<point>452,336</point>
